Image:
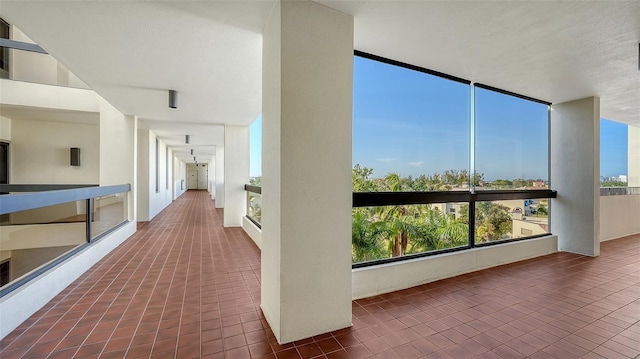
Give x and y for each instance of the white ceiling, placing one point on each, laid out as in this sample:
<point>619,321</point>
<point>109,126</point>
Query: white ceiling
<point>132,52</point>
<point>550,50</point>
<point>24,113</point>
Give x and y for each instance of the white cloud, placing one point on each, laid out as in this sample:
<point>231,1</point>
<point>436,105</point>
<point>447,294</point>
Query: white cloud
<point>385,159</point>
<point>416,164</point>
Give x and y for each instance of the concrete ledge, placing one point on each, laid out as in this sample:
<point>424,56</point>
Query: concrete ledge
<point>19,305</point>
<point>619,216</point>
<point>370,281</point>
<point>252,231</point>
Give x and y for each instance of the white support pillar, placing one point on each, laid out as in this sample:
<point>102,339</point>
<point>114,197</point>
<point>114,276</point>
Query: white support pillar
<point>212,176</point>
<point>219,165</point>
<point>307,88</point>
<point>575,174</point>
<point>633,145</point>
<point>236,174</point>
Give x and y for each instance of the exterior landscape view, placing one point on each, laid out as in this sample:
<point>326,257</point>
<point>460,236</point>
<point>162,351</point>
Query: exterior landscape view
<point>393,231</point>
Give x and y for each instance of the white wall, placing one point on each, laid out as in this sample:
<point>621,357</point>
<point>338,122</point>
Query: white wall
<point>400,275</point>
<point>307,89</point>
<point>40,152</point>
<point>619,216</point>
<point>150,201</point>
<point>575,174</point>
<point>212,177</point>
<point>219,175</point>
<point>179,177</point>
<point>236,174</point>
<point>203,175</point>
<point>5,128</point>
<point>118,151</point>
<point>45,96</point>
<point>39,68</point>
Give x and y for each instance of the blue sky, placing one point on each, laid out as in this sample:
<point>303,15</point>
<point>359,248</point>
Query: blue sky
<point>255,150</point>
<point>613,148</point>
<point>413,123</point>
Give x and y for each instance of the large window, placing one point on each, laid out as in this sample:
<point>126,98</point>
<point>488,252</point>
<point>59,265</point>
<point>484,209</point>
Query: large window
<point>614,153</point>
<point>255,154</point>
<point>512,142</point>
<point>426,147</point>
<point>411,129</point>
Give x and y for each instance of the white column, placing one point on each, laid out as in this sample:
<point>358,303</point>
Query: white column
<point>143,175</point>
<point>236,173</point>
<point>219,168</point>
<point>307,88</point>
<point>634,157</point>
<point>575,174</point>
<point>212,176</point>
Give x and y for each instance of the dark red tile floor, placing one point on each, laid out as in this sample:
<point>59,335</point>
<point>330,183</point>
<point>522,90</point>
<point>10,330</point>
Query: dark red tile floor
<point>185,287</point>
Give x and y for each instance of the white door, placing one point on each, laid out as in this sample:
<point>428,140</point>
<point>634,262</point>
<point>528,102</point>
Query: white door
<point>193,179</point>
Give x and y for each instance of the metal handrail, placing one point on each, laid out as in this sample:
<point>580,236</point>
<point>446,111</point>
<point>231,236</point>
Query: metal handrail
<point>6,188</point>
<point>619,191</point>
<point>372,199</point>
<point>252,188</point>
<point>24,201</point>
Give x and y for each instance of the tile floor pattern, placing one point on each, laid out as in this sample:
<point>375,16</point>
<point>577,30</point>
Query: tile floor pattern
<point>185,287</point>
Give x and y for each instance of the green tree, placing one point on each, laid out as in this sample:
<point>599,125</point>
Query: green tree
<point>255,181</point>
<point>542,210</point>
<point>613,184</point>
<point>366,240</point>
<point>493,221</point>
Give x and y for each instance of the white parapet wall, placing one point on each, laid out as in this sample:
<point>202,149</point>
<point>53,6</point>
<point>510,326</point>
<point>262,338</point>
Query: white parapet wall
<point>370,281</point>
<point>19,305</point>
<point>252,231</point>
<point>619,216</point>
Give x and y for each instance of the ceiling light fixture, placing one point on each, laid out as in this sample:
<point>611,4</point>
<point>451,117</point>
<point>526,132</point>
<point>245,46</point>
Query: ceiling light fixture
<point>194,158</point>
<point>192,152</point>
<point>186,139</point>
<point>173,98</point>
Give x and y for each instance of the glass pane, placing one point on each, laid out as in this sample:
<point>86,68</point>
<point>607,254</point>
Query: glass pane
<point>30,239</point>
<point>512,145</point>
<point>614,153</point>
<point>108,212</point>
<point>254,206</point>
<point>409,125</point>
<point>394,231</point>
<point>500,220</point>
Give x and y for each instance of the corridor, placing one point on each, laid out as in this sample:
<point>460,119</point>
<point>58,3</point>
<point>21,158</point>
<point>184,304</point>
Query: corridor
<point>185,287</point>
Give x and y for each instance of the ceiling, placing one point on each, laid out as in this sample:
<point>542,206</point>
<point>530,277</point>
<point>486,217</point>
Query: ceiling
<point>132,52</point>
<point>24,113</point>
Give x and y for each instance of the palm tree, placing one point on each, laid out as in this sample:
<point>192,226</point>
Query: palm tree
<point>366,239</point>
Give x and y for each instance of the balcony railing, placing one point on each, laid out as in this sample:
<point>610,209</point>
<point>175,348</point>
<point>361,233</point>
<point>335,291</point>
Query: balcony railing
<point>439,222</point>
<point>619,191</point>
<point>418,224</point>
<point>254,204</point>
<point>42,225</point>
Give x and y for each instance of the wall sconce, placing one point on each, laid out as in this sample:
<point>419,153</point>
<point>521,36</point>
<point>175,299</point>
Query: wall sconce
<point>186,139</point>
<point>74,156</point>
<point>173,98</point>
